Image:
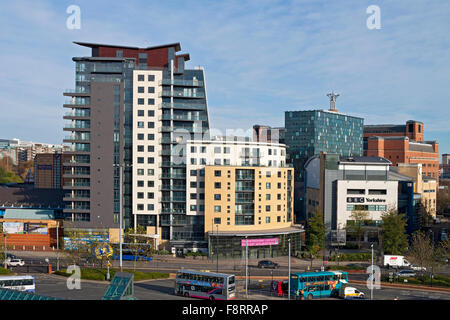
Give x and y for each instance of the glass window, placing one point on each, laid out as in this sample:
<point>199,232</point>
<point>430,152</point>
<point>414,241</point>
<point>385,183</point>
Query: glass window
<point>151,77</point>
<point>140,101</point>
<point>217,208</point>
<point>151,101</point>
<point>141,77</point>
<point>151,113</point>
<point>151,89</point>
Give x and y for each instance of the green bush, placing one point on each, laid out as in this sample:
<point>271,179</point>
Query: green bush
<point>195,254</point>
<point>438,280</point>
<point>344,267</point>
<point>100,274</point>
<point>357,256</point>
<point>163,252</point>
<point>4,271</point>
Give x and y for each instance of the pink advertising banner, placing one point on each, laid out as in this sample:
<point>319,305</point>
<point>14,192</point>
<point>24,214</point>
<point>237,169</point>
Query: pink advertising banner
<point>259,242</point>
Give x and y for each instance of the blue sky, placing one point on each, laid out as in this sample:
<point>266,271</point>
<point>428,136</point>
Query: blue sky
<point>261,58</point>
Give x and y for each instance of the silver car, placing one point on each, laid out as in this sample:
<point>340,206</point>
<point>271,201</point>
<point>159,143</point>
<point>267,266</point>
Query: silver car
<point>15,262</point>
<point>405,273</point>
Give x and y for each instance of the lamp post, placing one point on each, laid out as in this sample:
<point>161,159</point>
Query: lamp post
<point>57,246</point>
<point>372,279</point>
<point>289,269</point>
<point>120,166</point>
<point>6,253</point>
<point>217,248</point>
<point>246,267</point>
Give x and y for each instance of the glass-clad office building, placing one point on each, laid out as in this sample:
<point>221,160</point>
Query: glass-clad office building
<point>310,132</point>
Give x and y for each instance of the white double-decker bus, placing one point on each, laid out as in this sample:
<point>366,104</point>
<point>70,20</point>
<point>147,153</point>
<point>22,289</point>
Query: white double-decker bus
<point>205,285</point>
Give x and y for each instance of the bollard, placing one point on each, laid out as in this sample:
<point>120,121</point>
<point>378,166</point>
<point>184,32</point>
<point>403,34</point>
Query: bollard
<point>49,268</point>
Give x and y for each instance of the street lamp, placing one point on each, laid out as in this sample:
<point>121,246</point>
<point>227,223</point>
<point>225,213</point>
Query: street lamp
<point>372,277</point>
<point>246,267</point>
<point>289,269</point>
<point>57,245</point>
<point>121,166</point>
<point>217,248</point>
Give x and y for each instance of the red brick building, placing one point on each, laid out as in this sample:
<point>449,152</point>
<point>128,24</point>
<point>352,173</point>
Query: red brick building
<point>403,144</point>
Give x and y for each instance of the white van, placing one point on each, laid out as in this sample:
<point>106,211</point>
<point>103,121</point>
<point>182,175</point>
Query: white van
<point>346,292</point>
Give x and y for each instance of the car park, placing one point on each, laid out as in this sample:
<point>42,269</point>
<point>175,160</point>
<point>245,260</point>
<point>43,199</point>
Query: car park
<point>268,264</point>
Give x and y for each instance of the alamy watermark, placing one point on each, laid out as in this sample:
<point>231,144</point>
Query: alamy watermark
<point>374,280</point>
<point>74,281</point>
<point>73,22</point>
<point>374,20</point>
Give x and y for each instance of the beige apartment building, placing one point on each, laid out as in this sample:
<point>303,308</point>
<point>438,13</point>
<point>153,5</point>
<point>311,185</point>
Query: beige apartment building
<point>425,186</point>
<point>248,198</point>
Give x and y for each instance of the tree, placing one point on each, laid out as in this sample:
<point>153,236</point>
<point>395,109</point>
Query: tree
<point>142,245</point>
<point>9,177</point>
<point>421,250</point>
<point>425,253</point>
<point>7,163</point>
<point>426,218</point>
<point>393,232</point>
<point>23,168</point>
<point>442,201</point>
<point>315,233</point>
<point>357,226</point>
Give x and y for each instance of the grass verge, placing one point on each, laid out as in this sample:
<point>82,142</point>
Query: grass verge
<point>100,274</point>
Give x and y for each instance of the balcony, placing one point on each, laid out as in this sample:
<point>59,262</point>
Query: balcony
<point>167,211</point>
<point>238,200</point>
<point>180,129</point>
<point>245,189</point>
<point>75,139</point>
<point>76,185</point>
<point>82,174</point>
<point>76,127</point>
<point>183,106</point>
<point>165,152</point>
<point>77,92</point>
<point>68,197</point>
<point>172,176</point>
<point>181,94</point>
<point>171,164</point>
<point>77,114</point>
<point>172,187</point>
<point>184,83</point>
<point>179,117</point>
<point>173,199</point>
<point>245,177</point>
<point>78,101</point>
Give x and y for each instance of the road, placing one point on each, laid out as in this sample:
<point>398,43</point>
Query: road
<point>163,289</point>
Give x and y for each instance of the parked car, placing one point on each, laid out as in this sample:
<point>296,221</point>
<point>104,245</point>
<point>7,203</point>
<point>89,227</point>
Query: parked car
<point>417,268</point>
<point>405,273</point>
<point>268,264</point>
<point>15,262</point>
